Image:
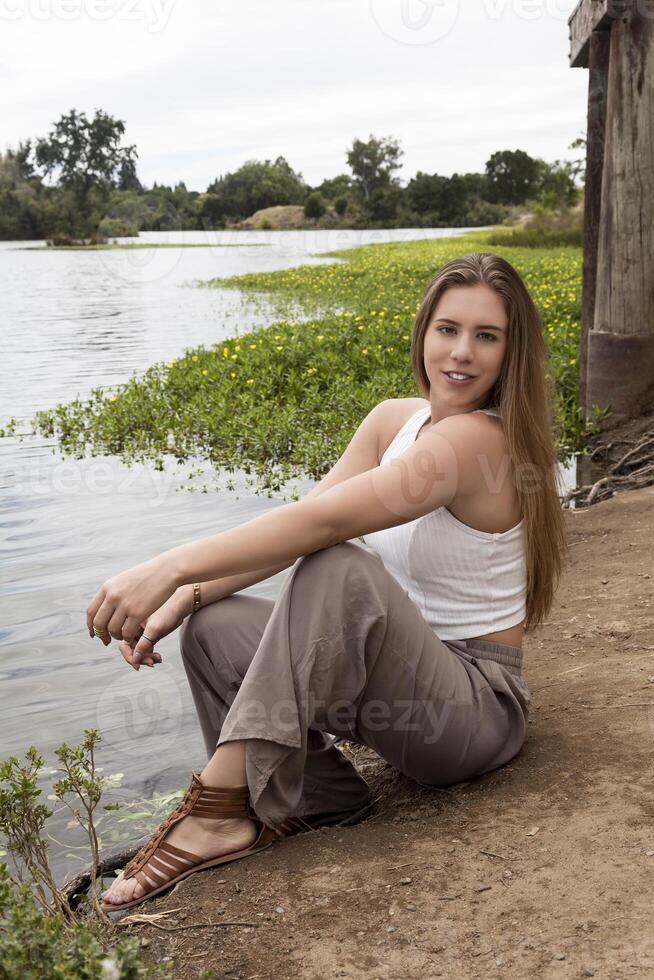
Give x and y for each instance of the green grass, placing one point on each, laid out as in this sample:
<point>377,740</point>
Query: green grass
<point>283,401</point>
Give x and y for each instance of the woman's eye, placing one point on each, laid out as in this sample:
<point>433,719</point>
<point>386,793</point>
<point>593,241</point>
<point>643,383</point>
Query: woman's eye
<point>490,336</point>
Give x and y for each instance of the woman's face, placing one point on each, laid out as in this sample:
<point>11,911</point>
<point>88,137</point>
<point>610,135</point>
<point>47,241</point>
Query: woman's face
<point>467,334</point>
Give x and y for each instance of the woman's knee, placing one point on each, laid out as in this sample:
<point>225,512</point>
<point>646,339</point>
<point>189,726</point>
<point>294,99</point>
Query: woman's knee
<point>203,628</point>
<point>336,559</point>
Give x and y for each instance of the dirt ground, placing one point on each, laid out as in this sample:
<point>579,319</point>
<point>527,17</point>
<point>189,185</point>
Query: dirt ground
<point>542,868</point>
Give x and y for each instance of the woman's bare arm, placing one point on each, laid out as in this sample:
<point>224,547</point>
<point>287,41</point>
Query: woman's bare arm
<point>361,454</point>
<point>220,588</point>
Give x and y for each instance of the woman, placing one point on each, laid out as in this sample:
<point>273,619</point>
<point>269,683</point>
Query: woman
<point>409,641</point>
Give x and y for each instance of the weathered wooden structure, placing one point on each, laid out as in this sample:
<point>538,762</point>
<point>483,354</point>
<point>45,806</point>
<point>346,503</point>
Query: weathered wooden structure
<point>614,39</point>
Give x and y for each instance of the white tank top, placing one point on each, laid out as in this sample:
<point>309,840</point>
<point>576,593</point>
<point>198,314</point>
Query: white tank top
<point>465,582</point>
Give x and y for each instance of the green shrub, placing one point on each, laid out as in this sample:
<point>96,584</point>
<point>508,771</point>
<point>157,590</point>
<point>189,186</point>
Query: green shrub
<point>34,946</point>
<point>117,228</point>
<point>314,206</point>
<point>533,238</point>
<point>40,935</point>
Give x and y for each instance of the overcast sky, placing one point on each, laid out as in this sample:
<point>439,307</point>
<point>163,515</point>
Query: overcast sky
<point>203,85</point>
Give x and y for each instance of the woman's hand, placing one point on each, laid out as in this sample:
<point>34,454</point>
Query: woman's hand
<point>165,620</point>
<point>128,599</point>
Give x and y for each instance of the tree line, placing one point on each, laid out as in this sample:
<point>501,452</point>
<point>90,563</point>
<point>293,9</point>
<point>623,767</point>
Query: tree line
<point>79,183</point>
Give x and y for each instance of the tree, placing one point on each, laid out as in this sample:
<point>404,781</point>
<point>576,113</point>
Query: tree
<point>335,187</point>
<point>578,166</point>
<point>314,206</point>
<point>86,160</point>
<point>384,202</point>
<point>513,176</point>
<point>374,163</point>
<point>557,184</point>
<point>446,200</point>
<point>17,164</point>
<point>258,184</point>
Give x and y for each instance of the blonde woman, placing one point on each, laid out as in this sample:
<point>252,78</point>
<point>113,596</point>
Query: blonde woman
<point>419,561</point>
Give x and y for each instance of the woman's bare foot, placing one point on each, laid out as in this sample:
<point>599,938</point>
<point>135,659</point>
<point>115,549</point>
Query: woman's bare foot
<point>206,838</point>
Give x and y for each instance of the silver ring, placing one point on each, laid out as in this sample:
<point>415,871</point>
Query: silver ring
<point>144,637</point>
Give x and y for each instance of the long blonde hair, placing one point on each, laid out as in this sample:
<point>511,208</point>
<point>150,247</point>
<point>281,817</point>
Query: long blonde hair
<point>524,396</point>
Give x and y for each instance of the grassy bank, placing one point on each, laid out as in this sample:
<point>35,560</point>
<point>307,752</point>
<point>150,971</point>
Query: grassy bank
<point>284,400</point>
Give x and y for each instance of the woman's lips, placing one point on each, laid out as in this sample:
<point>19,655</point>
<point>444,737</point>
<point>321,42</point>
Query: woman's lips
<point>454,381</point>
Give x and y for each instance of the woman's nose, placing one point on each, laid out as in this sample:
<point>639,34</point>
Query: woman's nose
<point>462,350</point>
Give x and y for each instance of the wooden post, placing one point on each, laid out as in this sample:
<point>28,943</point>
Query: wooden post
<point>598,64</point>
<point>617,359</point>
<point>621,342</point>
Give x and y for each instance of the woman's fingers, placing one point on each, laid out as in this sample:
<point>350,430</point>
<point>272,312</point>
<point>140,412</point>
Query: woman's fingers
<point>127,653</point>
<point>144,648</point>
<point>92,609</point>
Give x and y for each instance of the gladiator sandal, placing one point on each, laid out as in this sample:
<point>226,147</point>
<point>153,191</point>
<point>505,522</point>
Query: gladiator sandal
<point>159,865</point>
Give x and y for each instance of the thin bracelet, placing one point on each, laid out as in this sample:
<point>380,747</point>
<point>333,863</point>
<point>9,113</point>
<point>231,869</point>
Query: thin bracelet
<point>196,596</point>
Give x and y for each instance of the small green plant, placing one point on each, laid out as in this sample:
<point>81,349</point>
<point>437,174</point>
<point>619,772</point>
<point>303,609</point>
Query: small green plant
<point>22,822</point>
<point>40,936</point>
<point>22,816</point>
<point>34,946</point>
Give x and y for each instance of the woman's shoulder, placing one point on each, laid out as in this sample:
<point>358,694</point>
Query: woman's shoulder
<point>394,413</point>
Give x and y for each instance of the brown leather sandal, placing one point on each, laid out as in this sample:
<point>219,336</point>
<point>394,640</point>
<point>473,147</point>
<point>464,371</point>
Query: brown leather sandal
<point>157,861</point>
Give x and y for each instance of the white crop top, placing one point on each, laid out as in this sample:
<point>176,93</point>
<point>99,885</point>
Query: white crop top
<point>465,582</point>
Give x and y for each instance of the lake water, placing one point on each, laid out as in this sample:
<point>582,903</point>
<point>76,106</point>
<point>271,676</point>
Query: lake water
<point>74,321</point>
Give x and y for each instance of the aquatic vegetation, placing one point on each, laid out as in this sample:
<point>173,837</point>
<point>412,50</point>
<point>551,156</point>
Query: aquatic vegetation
<point>283,401</point>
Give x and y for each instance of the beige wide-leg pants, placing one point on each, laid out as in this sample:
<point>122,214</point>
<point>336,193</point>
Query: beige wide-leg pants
<point>343,651</point>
